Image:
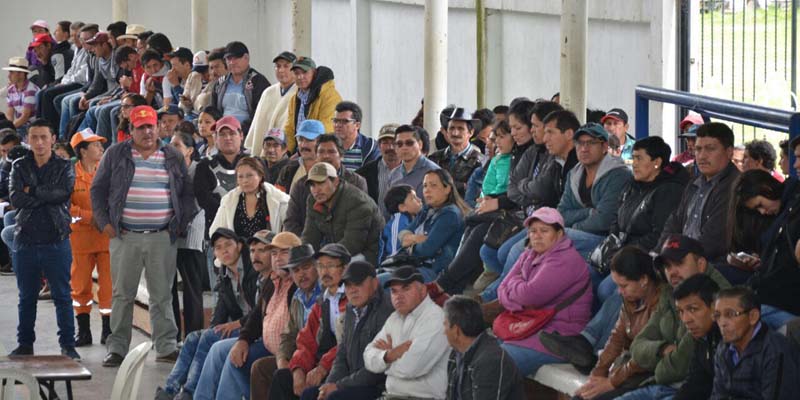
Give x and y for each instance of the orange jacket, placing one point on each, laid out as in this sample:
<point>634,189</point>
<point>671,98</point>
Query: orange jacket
<point>85,238</point>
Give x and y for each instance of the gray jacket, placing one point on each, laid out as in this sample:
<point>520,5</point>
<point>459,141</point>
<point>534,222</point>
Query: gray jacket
<point>113,179</point>
<point>522,180</point>
<point>488,372</point>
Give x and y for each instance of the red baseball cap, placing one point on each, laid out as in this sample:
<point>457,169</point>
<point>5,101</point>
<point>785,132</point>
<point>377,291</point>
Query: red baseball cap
<point>41,38</point>
<point>692,119</point>
<point>142,115</point>
<point>228,121</point>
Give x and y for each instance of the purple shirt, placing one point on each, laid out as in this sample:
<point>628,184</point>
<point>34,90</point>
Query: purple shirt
<point>22,100</point>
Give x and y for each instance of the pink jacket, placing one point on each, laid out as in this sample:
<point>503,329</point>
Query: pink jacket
<point>543,281</point>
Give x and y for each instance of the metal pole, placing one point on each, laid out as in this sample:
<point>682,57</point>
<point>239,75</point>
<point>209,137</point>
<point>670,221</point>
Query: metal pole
<point>301,27</point>
<point>480,13</point>
<point>794,52</point>
<point>574,28</point>
<point>199,25</point>
<point>435,63</point>
<point>119,10</point>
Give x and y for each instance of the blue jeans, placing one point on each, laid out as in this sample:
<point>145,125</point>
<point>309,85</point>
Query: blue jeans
<point>584,242</point>
<point>186,371</point>
<point>495,259</point>
<point>9,225</point>
<point>652,392</point>
<point>69,108</point>
<point>54,260</point>
<point>215,384</point>
<point>98,118</point>
<point>599,328</point>
<point>516,246</point>
<point>350,393</point>
<point>528,361</point>
<point>606,288</point>
<point>775,318</point>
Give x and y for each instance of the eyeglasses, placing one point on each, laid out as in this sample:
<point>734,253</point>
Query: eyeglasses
<point>728,314</point>
<point>342,121</point>
<point>408,143</point>
<point>587,143</point>
<point>328,266</point>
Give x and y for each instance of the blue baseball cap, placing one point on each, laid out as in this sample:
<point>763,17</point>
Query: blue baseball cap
<point>310,129</point>
<point>592,129</point>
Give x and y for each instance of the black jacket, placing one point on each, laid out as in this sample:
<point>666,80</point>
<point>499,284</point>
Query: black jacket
<point>274,171</point>
<point>284,180</point>
<point>214,178</point>
<point>370,174</point>
<point>253,326</point>
<point>488,373</point>
<point>254,86</point>
<point>645,207</point>
<point>348,368</point>
<point>49,187</point>
<point>547,188</point>
<point>227,308</point>
<point>62,54</point>
<point>700,380</point>
<point>524,175</point>
<point>462,167</point>
<point>767,369</point>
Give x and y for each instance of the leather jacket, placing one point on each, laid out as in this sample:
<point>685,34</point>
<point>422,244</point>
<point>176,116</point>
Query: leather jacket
<point>462,167</point>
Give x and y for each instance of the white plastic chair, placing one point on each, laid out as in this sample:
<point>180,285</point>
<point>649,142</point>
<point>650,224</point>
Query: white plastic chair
<point>126,384</point>
<point>11,375</point>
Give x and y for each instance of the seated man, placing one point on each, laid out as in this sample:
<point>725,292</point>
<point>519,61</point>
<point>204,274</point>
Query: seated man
<point>411,348</point>
<point>229,315</point>
<point>754,362</point>
<point>358,149</point>
<point>297,168</point>
<point>414,166</point>
<point>376,172</point>
<point>338,212</point>
<point>274,153</point>
<point>461,157</point>
<point>616,123</point>
<point>478,367</point>
<point>367,310</point>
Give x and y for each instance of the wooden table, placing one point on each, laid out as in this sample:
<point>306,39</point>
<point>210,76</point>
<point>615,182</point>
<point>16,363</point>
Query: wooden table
<point>48,370</point>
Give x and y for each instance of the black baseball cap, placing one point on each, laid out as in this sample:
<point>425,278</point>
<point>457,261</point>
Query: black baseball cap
<point>286,55</point>
<point>181,53</point>
<point>357,271</point>
<point>615,113</point>
<point>225,233</point>
<point>404,275</point>
<point>676,247</point>
<point>236,49</point>
<point>334,250</point>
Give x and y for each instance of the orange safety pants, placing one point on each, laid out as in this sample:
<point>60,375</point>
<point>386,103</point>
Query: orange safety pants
<point>81,281</point>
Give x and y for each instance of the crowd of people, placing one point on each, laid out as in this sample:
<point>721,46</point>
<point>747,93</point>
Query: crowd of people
<point>350,267</point>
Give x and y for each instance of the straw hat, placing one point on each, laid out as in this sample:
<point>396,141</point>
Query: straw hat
<point>19,64</point>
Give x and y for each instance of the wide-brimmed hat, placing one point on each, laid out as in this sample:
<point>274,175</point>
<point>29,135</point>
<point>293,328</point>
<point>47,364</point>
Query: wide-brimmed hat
<point>462,114</point>
<point>18,64</point>
<point>284,240</point>
<point>132,31</point>
<point>299,255</point>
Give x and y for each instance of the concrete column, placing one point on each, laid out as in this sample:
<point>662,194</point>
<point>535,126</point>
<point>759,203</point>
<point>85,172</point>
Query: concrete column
<point>363,25</point>
<point>119,10</point>
<point>199,25</point>
<point>435,62</point>
<point>574,29</point>
<point>301,27</point>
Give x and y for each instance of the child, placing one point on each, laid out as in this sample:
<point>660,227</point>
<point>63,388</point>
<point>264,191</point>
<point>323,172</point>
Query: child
<point>403,204</point>
<point>495,182</point>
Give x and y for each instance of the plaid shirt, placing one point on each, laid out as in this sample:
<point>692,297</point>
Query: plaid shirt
<point>22,100</point>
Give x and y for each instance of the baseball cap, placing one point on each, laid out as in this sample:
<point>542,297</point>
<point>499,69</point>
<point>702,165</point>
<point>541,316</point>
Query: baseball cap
<point>263,236</point>
<point>284,240</point>
<point>692,118</point>
<point>86,135</point>
<point>592,129</point>
<point>99,37</point>
<point>676,247</point>
<point>286,55</point>
<point>691,132</point>
<point>310,129</point>
<point>387,131</point>
<point>40,23</point>
<point>304,63</point>
<point>404,275</point>
<point>171,109</point>
<point>200,61</point>
<point>357,271</point>
<point>228,121</point>
<point>615,113</point>
<point>277,135</point>
<point>40,39</point>
<point>547,215</point>
<point>320,172</point>
<point>299,255</point>
<point>236,49</point>
<point>225,233</point>
<point>132,31</point>
<point>19,64</point>
<point>334,250</point>
<point>181,53</point>
<point>141,115</point>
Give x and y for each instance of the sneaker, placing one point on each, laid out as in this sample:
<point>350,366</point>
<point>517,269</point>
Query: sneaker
<point>6,270</point>
<point>484,280</point>
<point>70,352</point>
<point>22,350</point>
<point>576,349</point>
<point>168,358</point>
<point>112,360</point>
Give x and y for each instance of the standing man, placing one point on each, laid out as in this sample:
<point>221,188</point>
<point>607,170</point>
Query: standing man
<point>142,200</point>
<point>358,149</point>
<point>239,92</point>
<point>316,97</point>
<point>41,186</point>
<point>273,108</point>
<point>616,123</point>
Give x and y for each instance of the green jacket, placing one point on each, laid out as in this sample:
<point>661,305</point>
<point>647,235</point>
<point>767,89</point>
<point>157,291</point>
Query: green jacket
<point>664,329</point>
<point>495,182</point>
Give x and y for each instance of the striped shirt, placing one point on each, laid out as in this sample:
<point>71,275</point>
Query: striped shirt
<point>22,100</point>
<point>148,205</point>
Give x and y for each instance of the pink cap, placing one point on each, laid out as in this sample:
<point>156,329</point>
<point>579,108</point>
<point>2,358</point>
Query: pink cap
<point>228,121</point>
<point>547,215</point>
<point>40,23</point>
<point>692,118</point>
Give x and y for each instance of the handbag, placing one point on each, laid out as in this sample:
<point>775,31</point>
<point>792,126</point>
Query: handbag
<point>518,325</point>
<point>506,225</point>
<point>601,256</point>
<point>401,259</point>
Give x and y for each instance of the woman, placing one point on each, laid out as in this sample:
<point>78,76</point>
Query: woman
<point>254,204</point>
<point>641,289</point>
<point>89,246</point>
<point>548,274</point>
<point>129,101</point>
<point>436,232</point>
<point>191,259</point>
<point>205,126</point>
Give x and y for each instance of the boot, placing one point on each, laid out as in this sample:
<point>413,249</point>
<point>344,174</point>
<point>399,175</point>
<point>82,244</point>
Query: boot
<point>84,336</point>
<point>106,329</point>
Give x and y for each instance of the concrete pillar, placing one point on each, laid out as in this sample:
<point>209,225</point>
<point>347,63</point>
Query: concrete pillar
<point>119,10</point>
<point>574,28</point>
<point>199,25</point>
<point>363,25</point>
<point>435,62</point>
<point>301,27</point>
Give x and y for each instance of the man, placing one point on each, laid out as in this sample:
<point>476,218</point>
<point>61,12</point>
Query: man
<point>694,300</point>
<point>500,112</point>
<point>702,213</point>
<point>367,310</point>
<point>43,74</point>
<point>316,341</point>
<point>274,153</point>
<point>68,102</point>
<point>142,199</point>
<point>616,123</point>
<point>460,157</point>
<point>40,190</point>
<point>240,91</point>
<point>168,119</point>
<point>105,77</point>
<point>559,129</point>
<point>358,149</point>
<point>329,150</point>
<point>338,212</point>
<point>307,138</point>
<point>131,36</point>
<point>376,172</point>
<point>74,78</point>
<point>316,97</point>
<point>754,362</point>
<point>664,347</point>
<point>411,348</point>
<point>181,60</point>
<point>738,157</point>
<point>415,165</point>
<point>273,108</point>
<point>759,154</point>
<point>592,194</point>
<point>235,289</point>
<point>261,333</point>
<point>61,53</point>
<point>478,368</point>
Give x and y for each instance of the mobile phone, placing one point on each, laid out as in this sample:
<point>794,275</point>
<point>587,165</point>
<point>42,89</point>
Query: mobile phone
<point>742,256</point>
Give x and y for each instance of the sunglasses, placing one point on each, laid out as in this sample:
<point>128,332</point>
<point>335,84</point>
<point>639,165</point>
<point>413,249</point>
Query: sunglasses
<point>408,143</point>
